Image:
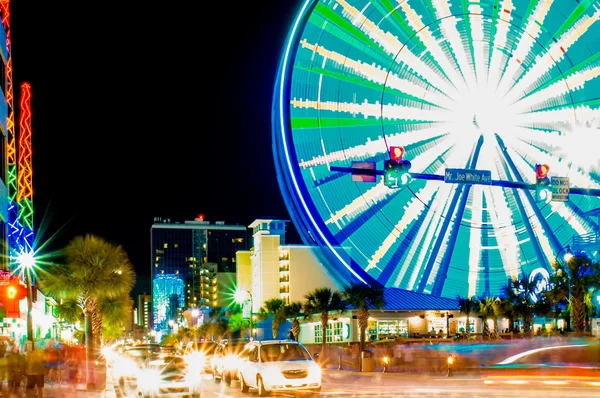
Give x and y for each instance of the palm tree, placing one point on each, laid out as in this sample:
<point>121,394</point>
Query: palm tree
<point>489,308</point>
<point>115,313</point>
<point>274,308</point>
<point>581,275</point>
<point>94,270</point>
<point>467,306</point>
<point>363,297</point>
<point>293,311</point>
<point>520,292</point>
<point>322,301</point>
<point>557,296</point>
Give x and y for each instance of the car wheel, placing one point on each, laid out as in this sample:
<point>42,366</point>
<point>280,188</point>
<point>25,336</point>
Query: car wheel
<point>227,377</point>
<point>262,392</point>
<point>214,376</point>
<point>243,386</point>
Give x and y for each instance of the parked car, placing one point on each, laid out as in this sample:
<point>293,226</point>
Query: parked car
<point>278,365</point>
<point>226,359</point>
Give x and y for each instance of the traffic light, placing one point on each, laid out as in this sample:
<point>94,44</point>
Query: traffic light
<point>396,153</point>
<point>11,294</point>
<point>542,183</point>
<point>15,290</point>
<point>396,171</point>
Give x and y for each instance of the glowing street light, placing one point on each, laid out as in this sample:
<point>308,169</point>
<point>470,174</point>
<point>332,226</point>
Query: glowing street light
<point>194,325</point>
<point>26,260</point>
<point>241,296</point>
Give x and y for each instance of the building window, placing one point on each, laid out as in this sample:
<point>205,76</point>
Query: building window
<point>338,331</point>
<point>334,332</point>
<point>318,334</point>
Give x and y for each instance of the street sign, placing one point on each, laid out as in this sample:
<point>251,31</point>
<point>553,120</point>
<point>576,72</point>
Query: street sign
<point>5,277</point>
<point>367,176</point>
<point>468,176</point>
<point>561,188</point>
<point>246,309</point>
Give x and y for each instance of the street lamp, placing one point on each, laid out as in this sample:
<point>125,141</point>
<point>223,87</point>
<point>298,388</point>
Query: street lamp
<point>194,325</point>
<point>27,261</point>
<point>567,256</point>
<point>240,297</point>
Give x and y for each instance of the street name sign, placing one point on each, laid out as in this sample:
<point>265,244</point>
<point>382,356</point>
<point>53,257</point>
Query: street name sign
<point>468,176</point>
<point>560,188</point>
<point>5,277</point>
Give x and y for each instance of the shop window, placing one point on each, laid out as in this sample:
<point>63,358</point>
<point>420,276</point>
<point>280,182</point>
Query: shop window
<point>387,329</point>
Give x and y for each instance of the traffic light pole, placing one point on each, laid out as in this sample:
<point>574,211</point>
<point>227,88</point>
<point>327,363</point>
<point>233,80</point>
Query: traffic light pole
<point>29,306</point>
<point>436,177</point>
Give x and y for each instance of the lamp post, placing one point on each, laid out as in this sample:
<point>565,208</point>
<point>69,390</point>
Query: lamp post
<point>27,261</point>
<point>195,314</point>
<point>241,297</point>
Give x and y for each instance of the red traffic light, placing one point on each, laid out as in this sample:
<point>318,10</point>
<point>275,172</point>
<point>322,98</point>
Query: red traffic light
<point>15,290</point>
<point>541,170</point>
<point>396,153</point>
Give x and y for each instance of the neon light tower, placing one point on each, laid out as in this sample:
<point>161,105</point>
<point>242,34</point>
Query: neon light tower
<point>14,227</point>
<point>19,176</point>
<point>25,171</point>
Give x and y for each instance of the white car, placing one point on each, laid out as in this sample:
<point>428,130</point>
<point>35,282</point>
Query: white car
<point>168,376</point>
<point>278,365</point>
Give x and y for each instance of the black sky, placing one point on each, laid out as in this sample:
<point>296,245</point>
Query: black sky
<point>150,111</point>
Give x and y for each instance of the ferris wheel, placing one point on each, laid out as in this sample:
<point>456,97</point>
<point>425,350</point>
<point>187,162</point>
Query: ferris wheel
<point>497,86</point>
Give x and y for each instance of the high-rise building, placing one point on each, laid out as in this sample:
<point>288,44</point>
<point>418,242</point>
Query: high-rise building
<point>144,310</point>
<point>186,260</point>
<point>272,269</point>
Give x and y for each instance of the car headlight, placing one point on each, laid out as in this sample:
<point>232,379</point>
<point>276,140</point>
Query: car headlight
<point>314,370</point>
<point>149,379</point>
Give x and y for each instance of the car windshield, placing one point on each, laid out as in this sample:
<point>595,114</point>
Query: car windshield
<point>234,347</point>
<point>205,348</point>
<point>283,352</point>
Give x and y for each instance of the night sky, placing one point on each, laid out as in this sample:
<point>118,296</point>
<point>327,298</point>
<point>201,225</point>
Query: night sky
<point>149,111</point>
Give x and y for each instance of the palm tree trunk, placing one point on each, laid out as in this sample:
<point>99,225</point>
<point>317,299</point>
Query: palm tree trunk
<point>275,327</point>
<point>578,311</point>
<point>296,328</point>
<point>89,350</point>
<point>363,324</point>
<point>495,328</point>
<point>486,328</point>
<point>324,321</point>
<point>468,328</point>
<point>97,329</point>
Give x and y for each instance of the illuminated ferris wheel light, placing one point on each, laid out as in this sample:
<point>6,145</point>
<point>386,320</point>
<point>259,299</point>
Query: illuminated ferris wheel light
<point>446,85</point>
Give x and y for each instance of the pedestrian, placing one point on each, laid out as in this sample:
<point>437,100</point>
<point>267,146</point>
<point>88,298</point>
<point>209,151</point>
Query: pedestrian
<point>15,369</point>
<point>291,335</point>
<point>35,360</point>
<point>2,366</point>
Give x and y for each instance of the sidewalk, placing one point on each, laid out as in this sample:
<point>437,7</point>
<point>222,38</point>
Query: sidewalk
<point>66,391</point>
<point>463,375</point>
